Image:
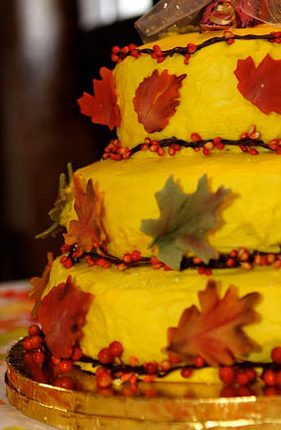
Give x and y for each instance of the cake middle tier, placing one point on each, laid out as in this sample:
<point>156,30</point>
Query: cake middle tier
<point>249,217</point>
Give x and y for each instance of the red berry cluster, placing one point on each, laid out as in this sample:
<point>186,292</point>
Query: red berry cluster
<point>157,264</point>
<point>241,376</point>
<point>108,356</point>
<point>156,147</point>
<point>114,151</point>
<point>272,376</point>
<point>157,54</point>
<point>275,145</point>
<point>44,367</point>
<point>275,37</point>
<point>207,147</point>
<point>118,54</point>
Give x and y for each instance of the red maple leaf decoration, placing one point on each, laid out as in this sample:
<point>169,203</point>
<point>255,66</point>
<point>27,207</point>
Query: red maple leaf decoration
<point>88,231</point>
<point>102,107</point>
<point>156,100</point>
<point>39,283</point>
<point>216,332</point>
<point>261,84</point>
<point>62,314</point>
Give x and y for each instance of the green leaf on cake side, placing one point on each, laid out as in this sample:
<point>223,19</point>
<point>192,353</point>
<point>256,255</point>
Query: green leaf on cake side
<point>59,205</point>
<point>185,220</point>
<point>216,331</point>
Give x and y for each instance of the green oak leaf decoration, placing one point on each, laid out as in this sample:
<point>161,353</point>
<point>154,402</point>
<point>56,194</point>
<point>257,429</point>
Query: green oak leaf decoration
<point>184,221</point>
<point>59,204</point>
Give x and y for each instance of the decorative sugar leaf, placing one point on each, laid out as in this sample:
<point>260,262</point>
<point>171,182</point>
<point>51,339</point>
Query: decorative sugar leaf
<point>216,332</point>
<point>62,314</point>
<point>156,100</point>
<point>61,201</point>
<point>88,231</point>
<point>184,221</point>
<point>102,107</point>
<point>39,283</point>
<point>261,84</point>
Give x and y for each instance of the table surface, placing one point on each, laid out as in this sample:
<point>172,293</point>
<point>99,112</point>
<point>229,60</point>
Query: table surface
<point>15,307</point>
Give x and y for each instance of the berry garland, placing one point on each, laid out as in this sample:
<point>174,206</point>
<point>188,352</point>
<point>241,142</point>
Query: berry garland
<point>119,54</point>
<point>40,365</point>
<point>236,258</point>
<point>248,143</point>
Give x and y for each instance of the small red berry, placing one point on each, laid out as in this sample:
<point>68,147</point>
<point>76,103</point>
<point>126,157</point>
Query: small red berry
<point>269,377</point>
<point>252,375</point>
<point>116,349</point>
<point>191,48</point>
<point>136,255</point>
<point>242,377</point>
<point>33,330</point>
<point>104,356</point>
<point>64,382</point>
<point>228,391</point>
<point>230,41</point>
<point>38,357</point>
<point>199,361</point>
<point>195,137</point>
<point>77,354</point>
<point>227,374</point>
<point>28,357</point>
<point>173,358</point>
<point>26,344</point>
<point>186,372</point>
<point>127,258</point>
<point>103,378</point>
<point>55,360</point>
<point>36,341</point>
<point>65,366</point>
<point>151,368</point>
<point>276,355</point>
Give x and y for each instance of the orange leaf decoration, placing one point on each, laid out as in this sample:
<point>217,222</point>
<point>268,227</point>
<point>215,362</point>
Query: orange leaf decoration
<point>62,314</point>
<point>216,332</point>
<point>156,100</point>
<point>102,107</point>
<point>39,283</point>
<point>261,84</point>
<point>88,231</point>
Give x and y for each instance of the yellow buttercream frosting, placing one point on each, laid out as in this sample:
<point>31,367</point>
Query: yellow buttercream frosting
<point>137,306</point>
<point>210,103</point>
<point>250,216</point>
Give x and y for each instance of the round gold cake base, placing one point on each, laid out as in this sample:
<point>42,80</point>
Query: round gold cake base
<point>157,406</point>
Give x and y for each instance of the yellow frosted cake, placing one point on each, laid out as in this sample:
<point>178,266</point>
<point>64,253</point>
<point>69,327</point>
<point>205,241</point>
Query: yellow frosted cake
<point>171,260</point>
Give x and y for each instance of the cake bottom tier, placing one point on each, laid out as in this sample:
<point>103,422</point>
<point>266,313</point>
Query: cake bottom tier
<point>138,306</point>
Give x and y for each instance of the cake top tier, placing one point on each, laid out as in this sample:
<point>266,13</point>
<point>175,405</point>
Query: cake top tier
<point>191,87</point>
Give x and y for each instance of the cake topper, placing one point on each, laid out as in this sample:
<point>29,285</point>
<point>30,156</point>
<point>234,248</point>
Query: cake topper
<point>178,15</point>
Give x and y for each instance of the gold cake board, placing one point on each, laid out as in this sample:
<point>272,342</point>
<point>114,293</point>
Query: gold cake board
<point>155,406</point>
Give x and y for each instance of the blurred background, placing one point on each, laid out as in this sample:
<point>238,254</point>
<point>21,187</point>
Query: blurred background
<point>50,51</point>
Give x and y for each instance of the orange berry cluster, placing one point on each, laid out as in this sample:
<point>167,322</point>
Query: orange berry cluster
<point>156,146</point>
<point>114,151</point>
<point>118,54</point>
